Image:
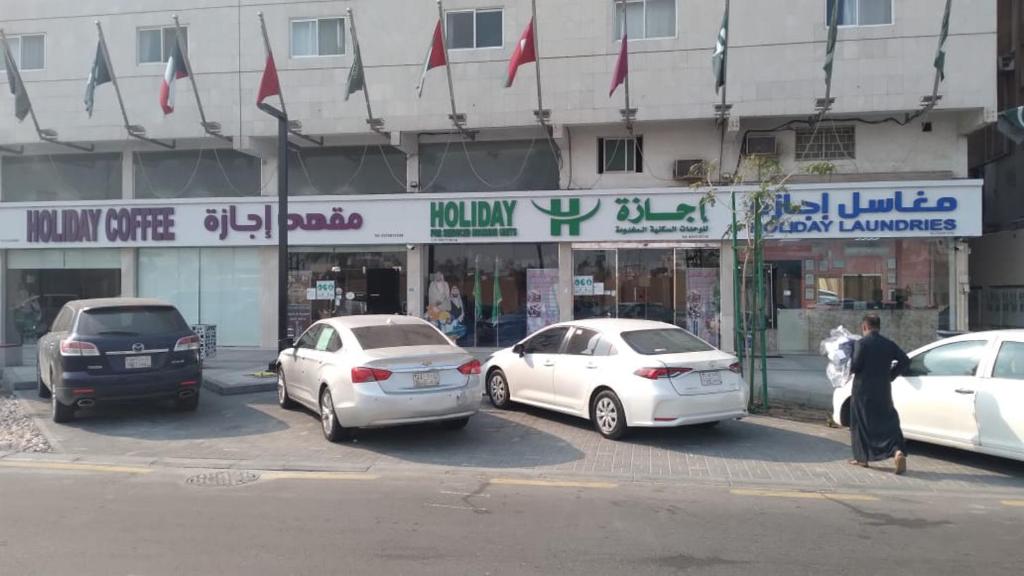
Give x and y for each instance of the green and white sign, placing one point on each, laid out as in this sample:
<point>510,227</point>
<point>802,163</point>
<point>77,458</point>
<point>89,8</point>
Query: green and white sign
<point>473,219</point>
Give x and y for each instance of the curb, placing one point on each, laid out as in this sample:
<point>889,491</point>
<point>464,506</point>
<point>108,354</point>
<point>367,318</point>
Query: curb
<point>223,388</point>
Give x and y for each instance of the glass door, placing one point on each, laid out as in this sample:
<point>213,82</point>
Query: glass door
<point>647,284</point>
<point>594,284</point>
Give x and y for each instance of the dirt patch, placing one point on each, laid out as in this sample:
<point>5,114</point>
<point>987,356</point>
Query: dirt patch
<point>18,433</point>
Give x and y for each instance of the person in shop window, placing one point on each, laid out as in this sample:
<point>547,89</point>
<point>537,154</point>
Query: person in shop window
<point>439,293</point>
<point>457,306</point>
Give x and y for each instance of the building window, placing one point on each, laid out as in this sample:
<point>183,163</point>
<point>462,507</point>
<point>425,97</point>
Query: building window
<point>647,18</point>
<point>474,29</point>
<point>620,155</point>
<point>861,12</point>
<point>826,143</point>
<point>318,37</point>
<point>155,44</point>
<point>28,50</point>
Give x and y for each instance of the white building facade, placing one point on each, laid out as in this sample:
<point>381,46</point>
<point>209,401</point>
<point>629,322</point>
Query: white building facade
<point>503,227</point>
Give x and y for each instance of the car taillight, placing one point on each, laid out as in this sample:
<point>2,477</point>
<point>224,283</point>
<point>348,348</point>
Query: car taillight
<point>471,367</point>
<point>736,367</point>
<point>362,375</point>
<point>187,343</point>
<point>655,373</point>
<point>77,348</point>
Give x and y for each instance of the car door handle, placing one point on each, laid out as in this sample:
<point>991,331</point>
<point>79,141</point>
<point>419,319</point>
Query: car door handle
<point>964,391</point>
<point>549,363</point>
<point>592,366</point>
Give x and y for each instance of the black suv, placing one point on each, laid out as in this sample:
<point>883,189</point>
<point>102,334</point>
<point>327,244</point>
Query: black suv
<point>118,349</point>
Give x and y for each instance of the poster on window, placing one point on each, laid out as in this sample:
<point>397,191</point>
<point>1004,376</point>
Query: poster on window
<point>703,303</point>
<point>541,298</point>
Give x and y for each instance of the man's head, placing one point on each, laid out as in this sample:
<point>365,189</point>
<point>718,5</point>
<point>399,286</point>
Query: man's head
<point>870,323</point>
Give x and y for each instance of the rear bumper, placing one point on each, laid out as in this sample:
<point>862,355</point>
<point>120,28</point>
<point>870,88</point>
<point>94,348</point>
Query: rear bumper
<point>164,384</point>
<point>669,409</point>
<point>370,407</point>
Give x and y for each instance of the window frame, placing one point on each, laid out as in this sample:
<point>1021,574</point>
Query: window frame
<point>316,40</point>
<point>638,153</point>
<point>817,153</point>
<point>162,30</point>
<point>561,344</point>
<point>20,60</point>
<point>892,16</point>
<point>313,332</point>
<point>1003,344</point>
<point>617,31</point>
<point>476,12</point>
<point>983,351</point>
<point>579,330</point>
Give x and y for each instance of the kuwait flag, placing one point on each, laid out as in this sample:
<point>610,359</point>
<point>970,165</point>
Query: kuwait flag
<point>525,52</point>
<point>176,68</point>
<point>436,56</point>
<point>269,83</point>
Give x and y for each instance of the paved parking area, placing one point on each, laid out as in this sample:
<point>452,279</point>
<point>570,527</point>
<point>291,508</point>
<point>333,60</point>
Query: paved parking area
<point>759,450</point>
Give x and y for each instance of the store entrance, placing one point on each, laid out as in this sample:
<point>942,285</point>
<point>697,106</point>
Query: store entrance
<point>667,284</point>
<point>383,291</point>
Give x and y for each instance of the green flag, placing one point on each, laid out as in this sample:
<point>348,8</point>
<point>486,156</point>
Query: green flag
<point>496,310</point>
<point>720,58</point>
<point>356,77</point>
<point>940,54</point>
<point>100,74</point>
<point>1011,124</point>
<point>830,46</point>
<point>22,106</point>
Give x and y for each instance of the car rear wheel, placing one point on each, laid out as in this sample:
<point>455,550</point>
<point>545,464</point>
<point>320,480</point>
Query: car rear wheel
<point>498,391</point>
<point>608,415</point>
<point>59,411</point>
<point>41,388</point>
<point>458,424</point>
<point>283,400</point>
<point>189,404</point>
<point>332,430</point>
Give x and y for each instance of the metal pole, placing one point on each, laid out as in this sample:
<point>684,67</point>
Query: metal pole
<point>282,230</point>
<point>358,51</point>
<point>113,76</point>
<point>759,342</point>
<point>722,111</point>
<point>738,343</point>
<point>447,63</point>
<point>536,52</point>
<point>210,128</point>
<point>828,86</point>
<point>270,53</point>
<point>17,72</point>
<point>625,38</point>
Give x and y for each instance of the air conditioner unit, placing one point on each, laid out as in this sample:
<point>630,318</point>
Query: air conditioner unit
<point>1007,62</point>
<point>761,146</point>
<point>684,170</point>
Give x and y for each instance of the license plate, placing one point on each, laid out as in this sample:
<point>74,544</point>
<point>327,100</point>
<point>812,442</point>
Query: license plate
<point>426,379</point>
<point>136,362</point>
<point>710,379</point>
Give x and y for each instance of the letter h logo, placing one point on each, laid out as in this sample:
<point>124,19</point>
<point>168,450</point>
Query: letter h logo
<point>570,217</point>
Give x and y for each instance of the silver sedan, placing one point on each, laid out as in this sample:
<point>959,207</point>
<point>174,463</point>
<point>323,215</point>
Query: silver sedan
<point>378,371</point>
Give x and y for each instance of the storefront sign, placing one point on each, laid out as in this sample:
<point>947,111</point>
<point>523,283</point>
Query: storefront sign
<point>583,286</point>
<point>325,290</point>
<point>850,210</point>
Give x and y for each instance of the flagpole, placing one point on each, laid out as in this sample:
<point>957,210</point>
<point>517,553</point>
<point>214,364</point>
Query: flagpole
<point>456,118</point>
<point>47,135</point>
<point>628,112</point>
<point>375,124</point>
<point>542,114</point>
<point>270,53</point>
<point>723,110</point>
<point>211,128</point>
<point>942,46</point>
<point>133,130</point>
<point>833,25</point>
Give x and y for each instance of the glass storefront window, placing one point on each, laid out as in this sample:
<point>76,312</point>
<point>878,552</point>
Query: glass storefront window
<point>488,166</point>
<point>492,295</point>
<point>673,285</point>
<point>40,282</point>
<point>344,282</point>
<point>813,287</point>
<point>65,177</point>
<point>369,169</point>
<point>211,173</point>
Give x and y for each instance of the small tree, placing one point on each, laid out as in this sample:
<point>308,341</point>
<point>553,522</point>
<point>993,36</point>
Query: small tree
<point>756,211</point>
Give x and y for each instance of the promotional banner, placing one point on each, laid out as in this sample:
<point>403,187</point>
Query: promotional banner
<point>875,210</point>
<point>541,298</point>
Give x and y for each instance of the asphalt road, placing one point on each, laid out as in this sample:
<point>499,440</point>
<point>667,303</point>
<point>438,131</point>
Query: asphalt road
<point>119,521</point>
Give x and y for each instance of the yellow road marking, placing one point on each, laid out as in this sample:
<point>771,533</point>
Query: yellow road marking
<point>1014,503</point>
<point>804,495</point>
<point>75,467</point>
<point>311,475</point>
<point>551,483</point>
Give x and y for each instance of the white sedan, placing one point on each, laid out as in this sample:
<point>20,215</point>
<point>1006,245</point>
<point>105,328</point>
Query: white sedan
<point>377,371</point>
<point>619,374</point>
<point>965,392</point>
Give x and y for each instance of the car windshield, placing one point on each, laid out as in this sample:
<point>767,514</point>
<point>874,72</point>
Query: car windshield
<point>664,341</point>
<point>398,335</point>
<point>131,321</point>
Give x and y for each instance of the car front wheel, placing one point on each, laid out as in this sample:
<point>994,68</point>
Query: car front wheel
<point>498,390</point>
<point>608,415</point>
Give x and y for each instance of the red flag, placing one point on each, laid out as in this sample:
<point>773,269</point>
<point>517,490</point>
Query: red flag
<point>436,56</point>
<point>621,67</point>
<point>175,70</point>
<point>525,52</point>
<point>269,84</point>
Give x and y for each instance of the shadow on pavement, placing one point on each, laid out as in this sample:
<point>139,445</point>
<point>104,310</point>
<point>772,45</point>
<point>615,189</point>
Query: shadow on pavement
<point>159,421</point>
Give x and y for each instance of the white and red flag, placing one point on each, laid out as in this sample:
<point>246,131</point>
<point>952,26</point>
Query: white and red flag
<point>437,56</point>
<point>525,52</point>
<point>176,68</point>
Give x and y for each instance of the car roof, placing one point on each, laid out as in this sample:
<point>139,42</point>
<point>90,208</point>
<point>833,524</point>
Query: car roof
<point>372,320</point>
<point>620,324</point>
<point>96,303</point>
<point>987,334</point>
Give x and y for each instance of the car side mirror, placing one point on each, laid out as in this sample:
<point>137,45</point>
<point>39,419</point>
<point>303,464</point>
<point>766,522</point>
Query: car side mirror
<point>519,349</point>
<point>287,343</point>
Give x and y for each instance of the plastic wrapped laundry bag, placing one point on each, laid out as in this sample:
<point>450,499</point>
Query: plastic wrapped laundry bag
<point>838,348</point>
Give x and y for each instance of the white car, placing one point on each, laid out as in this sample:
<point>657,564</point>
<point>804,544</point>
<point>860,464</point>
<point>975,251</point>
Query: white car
<point>620,373</point>
<point>376,371</point>
<point>965,392</point>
